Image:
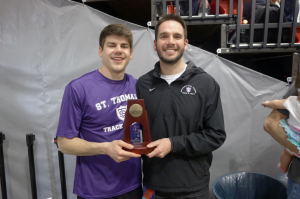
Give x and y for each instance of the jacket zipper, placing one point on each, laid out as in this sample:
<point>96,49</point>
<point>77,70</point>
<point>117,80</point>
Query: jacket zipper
<point>169,100</point>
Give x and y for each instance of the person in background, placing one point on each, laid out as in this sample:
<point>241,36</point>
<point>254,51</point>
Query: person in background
<point>271,126</point>
<point>183,7</point>
<point>291,125</point>
<point>289,9</point>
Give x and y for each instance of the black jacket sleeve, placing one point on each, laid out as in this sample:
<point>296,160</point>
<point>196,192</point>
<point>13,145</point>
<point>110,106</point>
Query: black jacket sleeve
<point>210,136</point>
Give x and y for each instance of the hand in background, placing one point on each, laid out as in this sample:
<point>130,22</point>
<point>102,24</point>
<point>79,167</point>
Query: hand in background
<point>265,104</point>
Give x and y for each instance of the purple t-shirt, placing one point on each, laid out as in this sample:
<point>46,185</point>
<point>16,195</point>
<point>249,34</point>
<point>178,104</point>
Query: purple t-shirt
<point>93,108</point>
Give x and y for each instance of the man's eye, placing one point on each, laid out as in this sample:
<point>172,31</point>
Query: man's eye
<point>124,46</point>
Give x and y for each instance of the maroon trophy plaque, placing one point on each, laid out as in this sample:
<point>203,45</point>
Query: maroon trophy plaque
<point>136,112</point>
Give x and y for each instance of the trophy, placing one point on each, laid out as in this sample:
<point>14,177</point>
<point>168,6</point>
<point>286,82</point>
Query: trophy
<point>136,112</point>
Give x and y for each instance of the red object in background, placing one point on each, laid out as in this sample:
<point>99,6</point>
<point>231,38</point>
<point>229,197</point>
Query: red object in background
<point>297,36</point>
<point>148,193</point>
<point>170,8</point>
<point>213,8</point>
<point>224,7</point>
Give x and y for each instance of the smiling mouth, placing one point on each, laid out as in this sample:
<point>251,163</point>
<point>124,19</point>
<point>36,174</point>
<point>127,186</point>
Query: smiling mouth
<point>117,59</point>
<point>170,51</point>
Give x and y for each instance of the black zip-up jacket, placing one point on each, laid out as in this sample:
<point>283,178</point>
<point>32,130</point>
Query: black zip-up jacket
<point>189,112</point>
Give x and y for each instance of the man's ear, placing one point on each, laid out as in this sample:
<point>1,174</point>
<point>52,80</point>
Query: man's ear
<point>100,51</point>
<point>186,44</point>
<point>131,53</point>
<point>155,45</point>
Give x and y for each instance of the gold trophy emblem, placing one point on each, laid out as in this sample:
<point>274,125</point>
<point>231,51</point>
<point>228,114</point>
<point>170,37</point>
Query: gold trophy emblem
<point>135,110</point>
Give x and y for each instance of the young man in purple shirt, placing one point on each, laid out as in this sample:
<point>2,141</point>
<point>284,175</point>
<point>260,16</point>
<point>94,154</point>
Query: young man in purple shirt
<point>91,123</point>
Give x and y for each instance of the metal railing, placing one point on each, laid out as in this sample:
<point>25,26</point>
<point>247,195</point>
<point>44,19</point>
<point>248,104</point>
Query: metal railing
<point>232,21</point>
<point>159,7</point>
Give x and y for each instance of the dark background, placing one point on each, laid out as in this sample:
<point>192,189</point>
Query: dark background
<point>207,37</point>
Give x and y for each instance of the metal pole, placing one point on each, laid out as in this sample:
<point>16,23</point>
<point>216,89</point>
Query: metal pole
<point>230,8</point>
<point>153,9</point>
<point>295,23</point>
<point>295,66</point>
<point>238,24</point>
<point>217,7</point>
<point>223,36</point>
<point>2,168</point>
<point>266,24</point>
<point>164,2</point>
<point>252,24</point>
<point>29,139</point>
<point>177,7</point>
<point>279,35</point>
<point>191,10</point>
<point>62,172</point>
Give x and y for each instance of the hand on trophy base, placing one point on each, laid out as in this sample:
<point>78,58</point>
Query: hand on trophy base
<point>140,148</point>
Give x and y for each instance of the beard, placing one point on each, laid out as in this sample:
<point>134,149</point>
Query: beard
<point>170,60</point>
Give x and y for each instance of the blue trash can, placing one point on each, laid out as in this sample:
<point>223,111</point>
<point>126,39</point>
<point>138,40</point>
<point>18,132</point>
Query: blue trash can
<point>282,177</point>
<point>248,185</point>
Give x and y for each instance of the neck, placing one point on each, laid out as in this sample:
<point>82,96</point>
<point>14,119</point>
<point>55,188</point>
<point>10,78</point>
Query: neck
<point>172,69</point>
<point>111,75</point>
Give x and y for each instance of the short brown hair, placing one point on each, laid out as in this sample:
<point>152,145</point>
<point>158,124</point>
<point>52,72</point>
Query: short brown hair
<point>115,29</point>
<point>297,83</point>
<point>172,17</point>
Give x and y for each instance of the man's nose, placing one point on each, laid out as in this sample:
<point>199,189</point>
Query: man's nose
<point>171,40</point>
<point>118,49</point>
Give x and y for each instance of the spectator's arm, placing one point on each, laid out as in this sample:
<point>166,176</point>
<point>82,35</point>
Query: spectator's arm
<point>274,104</point>
<point>271,126</point>
<point>206,4</point>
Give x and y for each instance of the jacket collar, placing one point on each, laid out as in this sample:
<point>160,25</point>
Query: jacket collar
<point>190,70</point>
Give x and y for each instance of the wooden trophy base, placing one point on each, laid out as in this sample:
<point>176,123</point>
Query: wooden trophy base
<point>141,148</point>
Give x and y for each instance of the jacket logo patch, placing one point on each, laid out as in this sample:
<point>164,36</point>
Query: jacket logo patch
<point>121,112</point>
<point>188,90</point>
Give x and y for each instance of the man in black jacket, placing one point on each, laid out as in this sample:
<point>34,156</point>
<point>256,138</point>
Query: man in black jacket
<point>185,117</point>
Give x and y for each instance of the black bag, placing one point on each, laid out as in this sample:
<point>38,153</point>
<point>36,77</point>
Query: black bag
<point>260,12</point>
